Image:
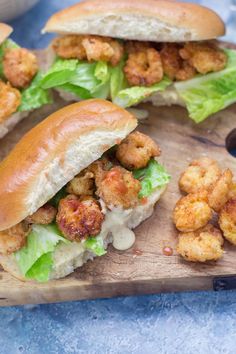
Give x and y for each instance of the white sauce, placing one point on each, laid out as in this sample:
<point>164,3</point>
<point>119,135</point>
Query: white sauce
<point>116,229</point>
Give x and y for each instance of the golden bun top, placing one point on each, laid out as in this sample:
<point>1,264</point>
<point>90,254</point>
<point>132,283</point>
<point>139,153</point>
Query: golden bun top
<point>153,20</point>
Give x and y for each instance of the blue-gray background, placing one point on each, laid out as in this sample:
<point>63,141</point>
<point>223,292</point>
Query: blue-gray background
<point>203,322</point>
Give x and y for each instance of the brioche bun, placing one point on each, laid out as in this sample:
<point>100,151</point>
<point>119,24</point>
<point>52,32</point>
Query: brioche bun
<point>56,150</point>
<point>5,31</point>
<point>149,20</point>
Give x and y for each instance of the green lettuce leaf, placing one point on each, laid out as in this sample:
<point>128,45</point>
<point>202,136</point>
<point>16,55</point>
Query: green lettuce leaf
<point>208,94</point>
<point>151,177</point>
<point>134,95</point>
<point>76,90</point>
<point>95,244</point>
<point>35,259</point>
<point>83,79</point>
<point>117,81</point>
<point>8,43</point>
<point>60,73</point>
<point>34,96</point>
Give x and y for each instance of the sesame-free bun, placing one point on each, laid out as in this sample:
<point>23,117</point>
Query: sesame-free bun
<point>5,31</point>
<point>56,150</point>
<point>149,20</point>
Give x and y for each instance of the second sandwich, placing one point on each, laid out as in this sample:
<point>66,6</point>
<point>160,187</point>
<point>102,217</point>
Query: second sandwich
<point>76,182</point>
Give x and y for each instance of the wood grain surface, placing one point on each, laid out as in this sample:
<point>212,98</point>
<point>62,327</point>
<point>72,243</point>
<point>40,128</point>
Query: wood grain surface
<point>143,268</point>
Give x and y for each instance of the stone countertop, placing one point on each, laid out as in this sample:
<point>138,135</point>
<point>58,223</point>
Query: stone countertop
<point>200,322</point>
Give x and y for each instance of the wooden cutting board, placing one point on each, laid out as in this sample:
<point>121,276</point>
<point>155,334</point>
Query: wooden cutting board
<point>143,268</point>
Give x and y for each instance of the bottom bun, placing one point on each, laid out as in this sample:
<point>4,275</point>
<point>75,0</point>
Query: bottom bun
<point>7,125</point>
<point>168,97</point>
<point>116,226</point>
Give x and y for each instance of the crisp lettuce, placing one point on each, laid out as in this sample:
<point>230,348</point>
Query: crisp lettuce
<point>60,73</point>
<point>208,94</point>
<point>86,80</point>
<point>35,260</point>
<point>136,94</point>
<point>34,96</point>
<point>95,244</point>
<point>151,177</point>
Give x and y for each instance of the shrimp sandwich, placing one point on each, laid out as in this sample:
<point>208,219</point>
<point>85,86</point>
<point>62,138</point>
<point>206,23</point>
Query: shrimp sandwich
<point>133,50</point>
<point>74,183</point>
<point>20,92</point>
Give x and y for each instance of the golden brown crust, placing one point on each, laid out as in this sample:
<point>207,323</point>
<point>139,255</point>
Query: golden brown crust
<point>5,31</point>
<point>201,20</point>
<point>49,141</point>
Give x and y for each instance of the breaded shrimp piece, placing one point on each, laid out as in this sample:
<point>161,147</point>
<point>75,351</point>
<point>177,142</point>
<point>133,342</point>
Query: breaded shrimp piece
<point>132,47</point>
<point>90,47</point>
<point>118,188</point>
<point>19,66</point>
<point>202,245</point>
<point>103,48</point>
<point>136,151</point>
<point>186,72</point>
<point>200,174</point>
<point>82,184</point>
<point>205,57</point>
<point>144,68</point>
<point>173,65</point>
<point>13,239</point>
<point>79,218</point>
<point>227,220</point>
<point>192,212</point>
<point>219,192</point>
<point>69,47</point>
<point>232,192</point>
<point>10,99</point>
<point>171,60</point>
<point>44,215</point>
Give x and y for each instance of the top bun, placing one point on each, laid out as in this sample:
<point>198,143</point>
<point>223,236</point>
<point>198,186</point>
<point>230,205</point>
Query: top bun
<point>54,151</point>
<point>144,20</point>
<point>5,32</point>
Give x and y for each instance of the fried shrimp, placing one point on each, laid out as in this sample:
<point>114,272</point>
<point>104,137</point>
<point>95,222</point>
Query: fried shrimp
<point>103,48</point>
<point>192,212</point>
<point>79,218</point>
<point>44,215</point>
<point>10,99</point>
<point>19,66</point>
<point>69,47</point>
<point>136,151</point>
<point>227,220</point>
<point>144,68</point>
<point>200,174</point>
<point>13,239</point>
<point>117,187</point>
<point>205,57</point>
<point>173,65</point>
<point>90,47</point>
<point>82,184</point>
<point>202,245</point>
<point>232,192</point>
<point>219,192</point>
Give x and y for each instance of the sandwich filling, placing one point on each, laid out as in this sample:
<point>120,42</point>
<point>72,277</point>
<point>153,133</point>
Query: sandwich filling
<point>20,90</point>
<point>99,205</point>
<point>201,74</point>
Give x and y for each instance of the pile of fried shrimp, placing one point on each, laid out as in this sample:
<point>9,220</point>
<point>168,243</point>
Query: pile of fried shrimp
<point>147,62</point>
<point>78,212</point>
<point>207,213</point>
